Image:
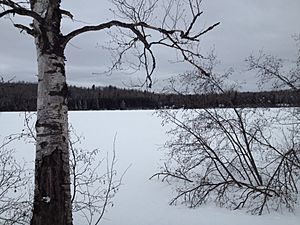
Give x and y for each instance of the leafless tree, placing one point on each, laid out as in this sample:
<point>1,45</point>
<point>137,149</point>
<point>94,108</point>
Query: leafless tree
<point>237,157</point>
<point>15,183</point>
<point>92,192</point>
<point>176,30</point>
<point>273,70</point>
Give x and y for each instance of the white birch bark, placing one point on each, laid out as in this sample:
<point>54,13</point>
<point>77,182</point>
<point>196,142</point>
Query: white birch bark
<point>52,197</point>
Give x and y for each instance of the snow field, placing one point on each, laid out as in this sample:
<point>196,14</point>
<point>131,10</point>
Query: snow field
<point>140,201</point>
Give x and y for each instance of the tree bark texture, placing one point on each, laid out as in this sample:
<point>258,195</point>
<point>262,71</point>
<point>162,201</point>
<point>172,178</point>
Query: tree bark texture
<point>52,196</point>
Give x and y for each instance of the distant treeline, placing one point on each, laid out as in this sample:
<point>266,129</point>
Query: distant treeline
<point>22,97</point>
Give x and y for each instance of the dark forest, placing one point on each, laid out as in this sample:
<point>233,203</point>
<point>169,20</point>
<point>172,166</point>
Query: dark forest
<point>21,96</point>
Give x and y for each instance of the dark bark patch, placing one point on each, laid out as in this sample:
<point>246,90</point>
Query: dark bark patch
<point>63,92</point>
<point>37,124</point>
<point>44,144</point>
<point>62,68</point>
<point>53,57</point>
<point>51,196</point>
<point>51,71</point>
<point>50,126</point>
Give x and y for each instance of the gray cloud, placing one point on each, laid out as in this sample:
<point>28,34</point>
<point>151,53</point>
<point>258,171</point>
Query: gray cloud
<point>246,27</point>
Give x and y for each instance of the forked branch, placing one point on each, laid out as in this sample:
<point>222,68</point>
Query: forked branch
<point>15,8</point>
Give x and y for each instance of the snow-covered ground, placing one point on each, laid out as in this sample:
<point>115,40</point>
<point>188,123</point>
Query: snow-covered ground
<point>140,201</point>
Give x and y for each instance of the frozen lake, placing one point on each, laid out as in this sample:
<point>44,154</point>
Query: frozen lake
<point>140,201</point>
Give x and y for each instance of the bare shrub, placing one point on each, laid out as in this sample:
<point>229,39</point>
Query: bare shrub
<point>15,186</point>
<point>236,157</point>
<point>92,189</point>
<point>92,192</point>
<point>232,157</point>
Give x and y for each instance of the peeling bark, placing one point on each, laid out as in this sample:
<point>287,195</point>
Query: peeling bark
<point>52,181</point>
<point>52,196</point>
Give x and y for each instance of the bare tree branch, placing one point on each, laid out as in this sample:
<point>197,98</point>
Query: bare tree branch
<point>19,10</point>
<point>271,69</point>
<point>67,13</point>
<point>174,38</point>
<point>7,12</point>
<point>230,155</point>
<point>167,34</point>
<point>25,28</point>
<point>116,23</point>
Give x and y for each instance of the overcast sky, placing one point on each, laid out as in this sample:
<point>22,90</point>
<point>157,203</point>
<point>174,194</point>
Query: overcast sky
<point>247,26</point>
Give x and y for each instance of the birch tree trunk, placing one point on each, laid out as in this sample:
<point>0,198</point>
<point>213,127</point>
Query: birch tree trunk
<point>52,198</point>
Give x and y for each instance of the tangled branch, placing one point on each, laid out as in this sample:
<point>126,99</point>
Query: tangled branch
<point>237,157</point>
